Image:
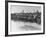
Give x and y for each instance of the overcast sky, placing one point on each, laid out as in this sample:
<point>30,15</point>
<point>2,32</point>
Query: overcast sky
<point>27,9</point>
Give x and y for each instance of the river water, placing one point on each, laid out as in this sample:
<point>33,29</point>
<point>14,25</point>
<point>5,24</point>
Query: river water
<point>23,26</point>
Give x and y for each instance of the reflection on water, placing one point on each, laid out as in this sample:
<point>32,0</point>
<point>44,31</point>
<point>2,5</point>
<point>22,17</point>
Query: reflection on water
<point>24,26</point>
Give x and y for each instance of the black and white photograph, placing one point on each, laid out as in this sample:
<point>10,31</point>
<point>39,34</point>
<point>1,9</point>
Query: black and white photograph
<point>24,18</point>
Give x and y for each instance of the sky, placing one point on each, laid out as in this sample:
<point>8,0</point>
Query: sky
<point>27,9</point>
